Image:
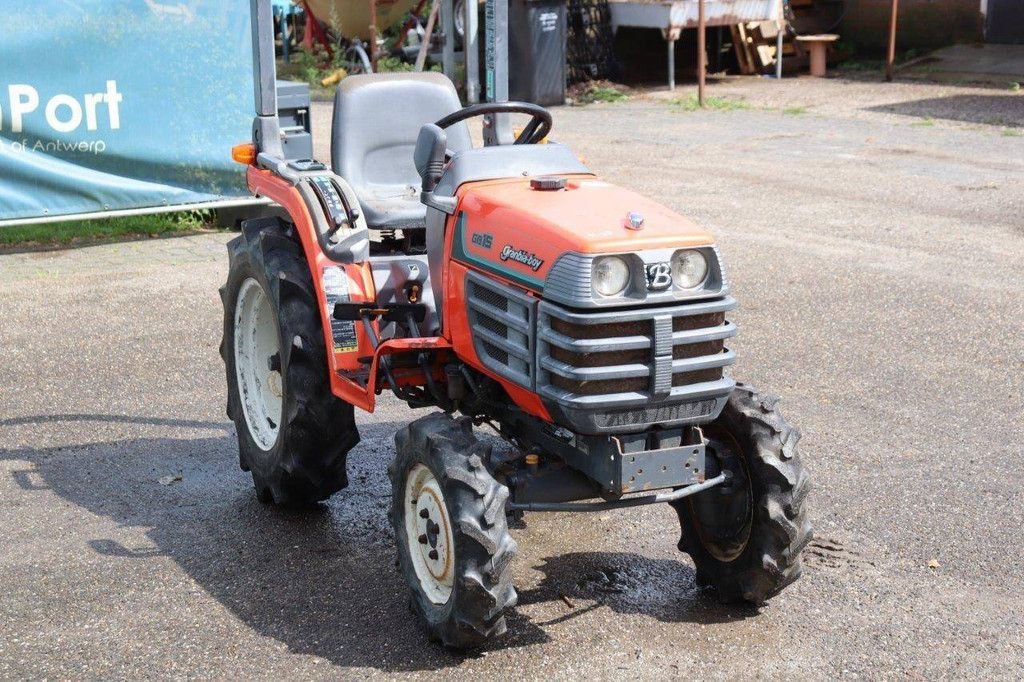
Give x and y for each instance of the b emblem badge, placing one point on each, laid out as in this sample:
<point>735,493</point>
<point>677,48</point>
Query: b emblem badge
<point>659,276</point>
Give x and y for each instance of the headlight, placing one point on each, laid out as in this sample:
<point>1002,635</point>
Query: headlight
<point>689,269</point>
<point>610,276</point>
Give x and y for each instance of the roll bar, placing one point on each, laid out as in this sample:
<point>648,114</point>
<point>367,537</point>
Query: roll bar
<point>266,129</point>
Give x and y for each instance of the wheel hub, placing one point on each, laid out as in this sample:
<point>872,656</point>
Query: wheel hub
<point>274,383</point>
<point>260,385</point>
<point>725,515</point>
<point>429,534</point>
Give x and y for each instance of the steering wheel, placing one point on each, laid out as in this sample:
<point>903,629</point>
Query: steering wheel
<point>535,131</point>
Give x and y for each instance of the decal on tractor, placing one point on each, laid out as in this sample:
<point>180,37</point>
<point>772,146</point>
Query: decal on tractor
<point>659,276</point>
<point>483,239</point>
<point>519,256</point>
<point>336,291</point>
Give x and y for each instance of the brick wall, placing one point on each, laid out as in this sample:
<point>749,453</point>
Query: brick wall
<point>923,24</point>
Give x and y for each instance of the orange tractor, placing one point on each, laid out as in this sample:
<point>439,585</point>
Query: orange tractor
<point>502,285</point>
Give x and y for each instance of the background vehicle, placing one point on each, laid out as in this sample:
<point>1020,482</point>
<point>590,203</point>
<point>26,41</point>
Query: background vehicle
<point>509,285</point>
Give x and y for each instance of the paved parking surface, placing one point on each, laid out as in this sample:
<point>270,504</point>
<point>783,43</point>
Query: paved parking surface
<point>878,267</point>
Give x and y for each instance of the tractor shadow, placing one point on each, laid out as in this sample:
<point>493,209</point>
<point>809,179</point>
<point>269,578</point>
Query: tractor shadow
<point>628,583</point>
<point>322,580</point>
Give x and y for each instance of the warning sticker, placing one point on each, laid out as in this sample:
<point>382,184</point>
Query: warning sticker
<point>336,291</point>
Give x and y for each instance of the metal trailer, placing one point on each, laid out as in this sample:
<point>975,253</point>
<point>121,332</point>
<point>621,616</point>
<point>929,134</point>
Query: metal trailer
<point>672,16</point>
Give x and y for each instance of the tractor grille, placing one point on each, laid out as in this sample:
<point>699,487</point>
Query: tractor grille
<point>606,371</point>
<point>653,352</point>
<point>503,328</point>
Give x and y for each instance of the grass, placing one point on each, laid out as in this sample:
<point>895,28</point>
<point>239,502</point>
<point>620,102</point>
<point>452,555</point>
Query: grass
<point>718,103</point>
<point>604,95</point>
<point>1014,86</point>
<point>1012,132</point>
<point>101,230</point>
<point>866,65</point>
<point>597,91</point>
<point>794,111</point>
<point>852,66</point>
<point>926,122</point>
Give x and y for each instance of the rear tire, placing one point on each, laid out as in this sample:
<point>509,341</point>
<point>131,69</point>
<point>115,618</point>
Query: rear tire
<point>293,433</point>
<point>745,536</point>
<point>454,548</point>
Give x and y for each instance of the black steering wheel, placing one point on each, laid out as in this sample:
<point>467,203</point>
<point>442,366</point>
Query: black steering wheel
<point>535,131</point>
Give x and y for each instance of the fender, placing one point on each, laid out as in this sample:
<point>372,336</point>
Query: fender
<point>361,289</point>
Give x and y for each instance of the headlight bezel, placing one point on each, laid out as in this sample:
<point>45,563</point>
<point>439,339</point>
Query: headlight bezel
<point>570,280</point>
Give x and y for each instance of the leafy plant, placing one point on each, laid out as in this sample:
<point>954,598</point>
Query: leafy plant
<point>597,91</point>
<point>691,103</point>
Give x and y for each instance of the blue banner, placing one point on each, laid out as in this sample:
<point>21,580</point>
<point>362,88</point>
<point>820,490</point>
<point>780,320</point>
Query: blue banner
<point>109,105</point>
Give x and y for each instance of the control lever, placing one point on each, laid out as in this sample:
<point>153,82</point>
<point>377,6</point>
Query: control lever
<point>351,215</point>
<point>335,204</point>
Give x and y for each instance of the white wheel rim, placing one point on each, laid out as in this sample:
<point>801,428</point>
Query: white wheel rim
<point>257,346</point>
<point>428,532</point>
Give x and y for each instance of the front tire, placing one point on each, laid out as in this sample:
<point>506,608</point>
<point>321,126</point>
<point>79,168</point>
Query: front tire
<point>293,433</point>
<point>454,548</point>
<point>745,536</point>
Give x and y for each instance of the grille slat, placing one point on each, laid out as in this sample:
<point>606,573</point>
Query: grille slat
<point>494,326</point>
<point>490,297</point>
<point>496,353</point>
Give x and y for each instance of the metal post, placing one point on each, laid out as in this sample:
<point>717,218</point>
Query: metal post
<point>471,49</point>
<point>448,48</point>
<point>421,58</point>
<point>671,64</point>
<point>497,128</point>
<point>890,58</point>
<point>373,35</point>
<point>499,46</point>
<point>671,35</point>
<point>702,53</point>
<point>266,131</point>
<point>778,43</point>
<point>286,34</point>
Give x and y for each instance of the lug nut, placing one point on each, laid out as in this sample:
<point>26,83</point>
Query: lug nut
<point>433,555</point>
<point>424,514</point>
<point>423,539</point>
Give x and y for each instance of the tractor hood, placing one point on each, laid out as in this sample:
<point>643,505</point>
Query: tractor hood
<point>513,230</point>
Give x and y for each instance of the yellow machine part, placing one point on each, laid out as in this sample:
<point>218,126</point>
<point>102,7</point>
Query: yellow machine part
<point>351,18</point>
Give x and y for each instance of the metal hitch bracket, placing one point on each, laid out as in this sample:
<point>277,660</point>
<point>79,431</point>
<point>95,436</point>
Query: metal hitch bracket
<point>623,503</point>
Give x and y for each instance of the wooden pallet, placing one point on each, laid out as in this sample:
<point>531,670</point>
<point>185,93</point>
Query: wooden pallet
<point>755,44</point>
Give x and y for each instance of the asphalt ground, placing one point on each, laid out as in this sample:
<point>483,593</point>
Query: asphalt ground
<point>877,266</point>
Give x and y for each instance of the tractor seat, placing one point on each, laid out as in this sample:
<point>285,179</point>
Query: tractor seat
<point>377,119</point>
